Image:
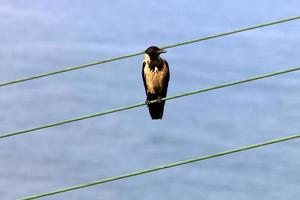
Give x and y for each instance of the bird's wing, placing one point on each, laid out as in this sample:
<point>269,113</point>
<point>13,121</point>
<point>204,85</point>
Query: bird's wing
<point>143,75</point>
<point>166,78</point>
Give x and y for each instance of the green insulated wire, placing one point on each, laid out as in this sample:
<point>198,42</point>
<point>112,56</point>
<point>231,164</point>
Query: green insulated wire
<point>141,52</point>
<point>142,104</point>
<point>69,69</point>
<point>175,164</point>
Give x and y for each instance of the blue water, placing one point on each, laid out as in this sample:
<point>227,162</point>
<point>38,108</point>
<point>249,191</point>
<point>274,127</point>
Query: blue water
<point>41,36</point>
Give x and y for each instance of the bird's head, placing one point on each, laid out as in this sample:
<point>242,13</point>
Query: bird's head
<point>153,52</point>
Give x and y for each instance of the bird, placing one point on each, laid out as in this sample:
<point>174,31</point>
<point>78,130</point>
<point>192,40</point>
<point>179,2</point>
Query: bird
<point>156,76</point>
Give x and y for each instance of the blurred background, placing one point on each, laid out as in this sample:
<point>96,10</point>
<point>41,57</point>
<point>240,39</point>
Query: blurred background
<point>41,36</point>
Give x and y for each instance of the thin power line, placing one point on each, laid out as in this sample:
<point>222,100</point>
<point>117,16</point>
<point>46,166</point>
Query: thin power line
<point>142,104</point>
<point>175,164</point>
<point>142,52</point>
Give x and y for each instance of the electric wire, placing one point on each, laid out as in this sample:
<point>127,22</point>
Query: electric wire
<point>142,52</point>
<point>175,164</point>
<point>10,134</point>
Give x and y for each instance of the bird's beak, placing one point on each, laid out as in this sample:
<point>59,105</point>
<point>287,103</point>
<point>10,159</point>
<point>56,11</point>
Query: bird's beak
<point>162,51</point>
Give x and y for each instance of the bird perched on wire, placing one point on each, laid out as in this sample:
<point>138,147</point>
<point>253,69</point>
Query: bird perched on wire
<point>156,77</point>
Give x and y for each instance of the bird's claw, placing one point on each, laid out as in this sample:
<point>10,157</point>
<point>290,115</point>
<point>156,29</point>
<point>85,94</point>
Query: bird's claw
<point>147,102</point>
<point>158,99</point>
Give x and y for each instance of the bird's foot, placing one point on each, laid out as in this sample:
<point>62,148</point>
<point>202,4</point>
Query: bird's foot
<point>159,99</point>
<point>147,102</point>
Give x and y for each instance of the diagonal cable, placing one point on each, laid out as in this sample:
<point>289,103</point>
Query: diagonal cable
<point>141,52</point>
<point>175,164</point>
<point>10,134</point>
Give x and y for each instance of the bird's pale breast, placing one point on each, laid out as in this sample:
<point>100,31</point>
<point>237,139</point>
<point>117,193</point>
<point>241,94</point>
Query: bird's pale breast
<point>155,78</point>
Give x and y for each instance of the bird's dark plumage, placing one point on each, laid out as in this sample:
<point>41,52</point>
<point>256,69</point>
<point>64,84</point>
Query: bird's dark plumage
<point>156,77</point>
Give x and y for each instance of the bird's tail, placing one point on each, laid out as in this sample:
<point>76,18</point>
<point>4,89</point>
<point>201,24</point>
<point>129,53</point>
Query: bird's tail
<point>156,110</point>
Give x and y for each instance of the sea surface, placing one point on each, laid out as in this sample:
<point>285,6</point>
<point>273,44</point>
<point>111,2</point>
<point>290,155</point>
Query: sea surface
<point>41,36</point>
